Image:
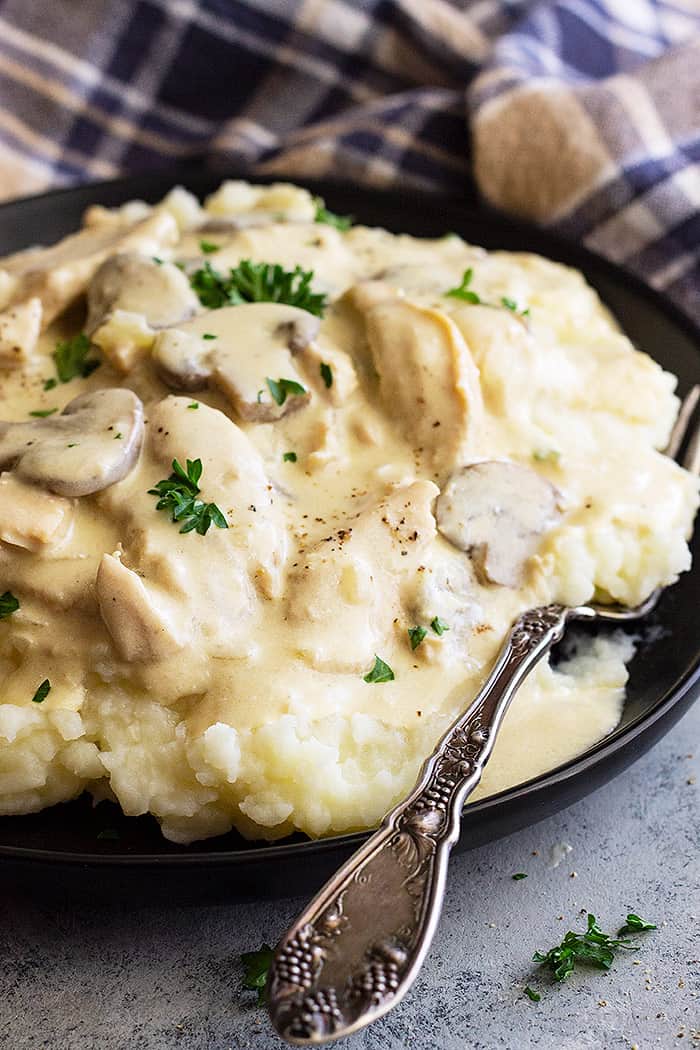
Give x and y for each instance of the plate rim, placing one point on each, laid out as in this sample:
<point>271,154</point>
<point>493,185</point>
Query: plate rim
<point>598,753</point>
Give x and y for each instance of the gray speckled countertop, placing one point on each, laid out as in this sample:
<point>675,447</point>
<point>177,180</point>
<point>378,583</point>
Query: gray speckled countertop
<point>140,978</point>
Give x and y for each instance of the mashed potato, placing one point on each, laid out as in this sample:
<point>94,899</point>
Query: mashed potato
<point>390,474</point>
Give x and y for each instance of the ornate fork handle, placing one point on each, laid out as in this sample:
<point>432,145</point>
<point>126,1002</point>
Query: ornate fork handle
<point>354,952</point>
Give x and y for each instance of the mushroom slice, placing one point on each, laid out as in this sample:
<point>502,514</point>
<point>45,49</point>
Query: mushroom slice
<point>19,331</point>
<point>236,349</point>
<point>497,512</point>
<point>30,518</point>
<point>59,274</point>
<point>93,444</point>
<point>427,377</point>
<point>160,292</point>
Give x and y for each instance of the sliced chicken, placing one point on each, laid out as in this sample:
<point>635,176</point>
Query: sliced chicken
<point>427,377</point>
<point>141,626</point>
<point>32,518</point>
<point>59,274</point>
<point>19,331</point>
<point>354,578</point>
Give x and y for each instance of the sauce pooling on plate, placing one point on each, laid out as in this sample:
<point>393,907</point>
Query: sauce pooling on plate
<point>272,492</point>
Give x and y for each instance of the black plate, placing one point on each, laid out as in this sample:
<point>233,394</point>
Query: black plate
<point>59,849</point>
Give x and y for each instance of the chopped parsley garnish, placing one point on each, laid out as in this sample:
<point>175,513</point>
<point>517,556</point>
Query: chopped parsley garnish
<point>330,218</point>
<point>519,875</point>
<point>178,496</point>
<point>42,692</point>
<point>592,948</point>
<point>42,413</point>
<point>193,405</point>
<point>532,994</point>
<point>290,457</point>
<point>463,291</point>
<point>546,455</point>
<point>280,388</point>
<point>253,282</point>
<point>50,384</point>
<point>381,672</point>
<point>208,248</point>
<point>8,605</point>
<point>439,626</point>
<point>72,361</point>
<point>326,375</point>
<point>416,636</point>
<point>255,969</point>
<point>635,925</point>
<point>118,437</point>
<point>510,304</point>
<point>158,261</point>
<point>209,335</point>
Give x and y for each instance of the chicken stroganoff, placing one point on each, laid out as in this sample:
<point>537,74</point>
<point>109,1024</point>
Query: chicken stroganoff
<point>273,488</point>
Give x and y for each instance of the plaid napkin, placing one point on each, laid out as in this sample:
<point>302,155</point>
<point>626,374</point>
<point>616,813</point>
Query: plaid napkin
<point>581,114</point>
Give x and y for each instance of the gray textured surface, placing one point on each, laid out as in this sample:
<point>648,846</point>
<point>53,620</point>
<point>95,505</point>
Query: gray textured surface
<point>151,978</point>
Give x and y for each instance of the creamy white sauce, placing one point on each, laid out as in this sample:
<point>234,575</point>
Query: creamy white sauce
<point>217,680</point>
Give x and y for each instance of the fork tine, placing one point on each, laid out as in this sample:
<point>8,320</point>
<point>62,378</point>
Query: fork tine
<point>691,460</point>
<point>680,427</point>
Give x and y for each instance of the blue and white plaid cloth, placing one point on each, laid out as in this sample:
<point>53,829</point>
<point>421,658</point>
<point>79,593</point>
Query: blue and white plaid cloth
<point>581,114</point>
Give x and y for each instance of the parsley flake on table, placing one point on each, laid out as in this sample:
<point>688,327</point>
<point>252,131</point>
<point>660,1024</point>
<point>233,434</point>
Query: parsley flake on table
<point>280,388</point>
<point>72,361</point>
<point>635,925</point>
<point>255,969</point>
<point>8,605</point>
<point>439,626</point>
<point>416,635</point>
<point>592,948</point>
<point>381,672</point>
<point>519,875</point>
<point>532,994</point>
<point>42,692</point>
<point>253,282</point>
<point>330,218</point>
<point>178,496</point>
<point>326,375</point>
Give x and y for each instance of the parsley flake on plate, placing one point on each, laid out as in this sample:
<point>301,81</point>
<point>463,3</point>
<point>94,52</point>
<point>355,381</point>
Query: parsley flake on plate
<point>330,218</point>
<point>416,635</point>
<point>42,692</point>
<point>251,282</point>
<point>439,626</point>
<point>463,291</point>
<point>8,605</point>
<point>72,361</point>
<point>280,388</point>
<point>255,970</point>
<point>381,672</point>
<point>326,375</point>
<point>178,496</point>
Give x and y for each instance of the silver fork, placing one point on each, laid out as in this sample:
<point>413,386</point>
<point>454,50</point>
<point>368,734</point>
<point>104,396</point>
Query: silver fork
<point>354,952</point>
